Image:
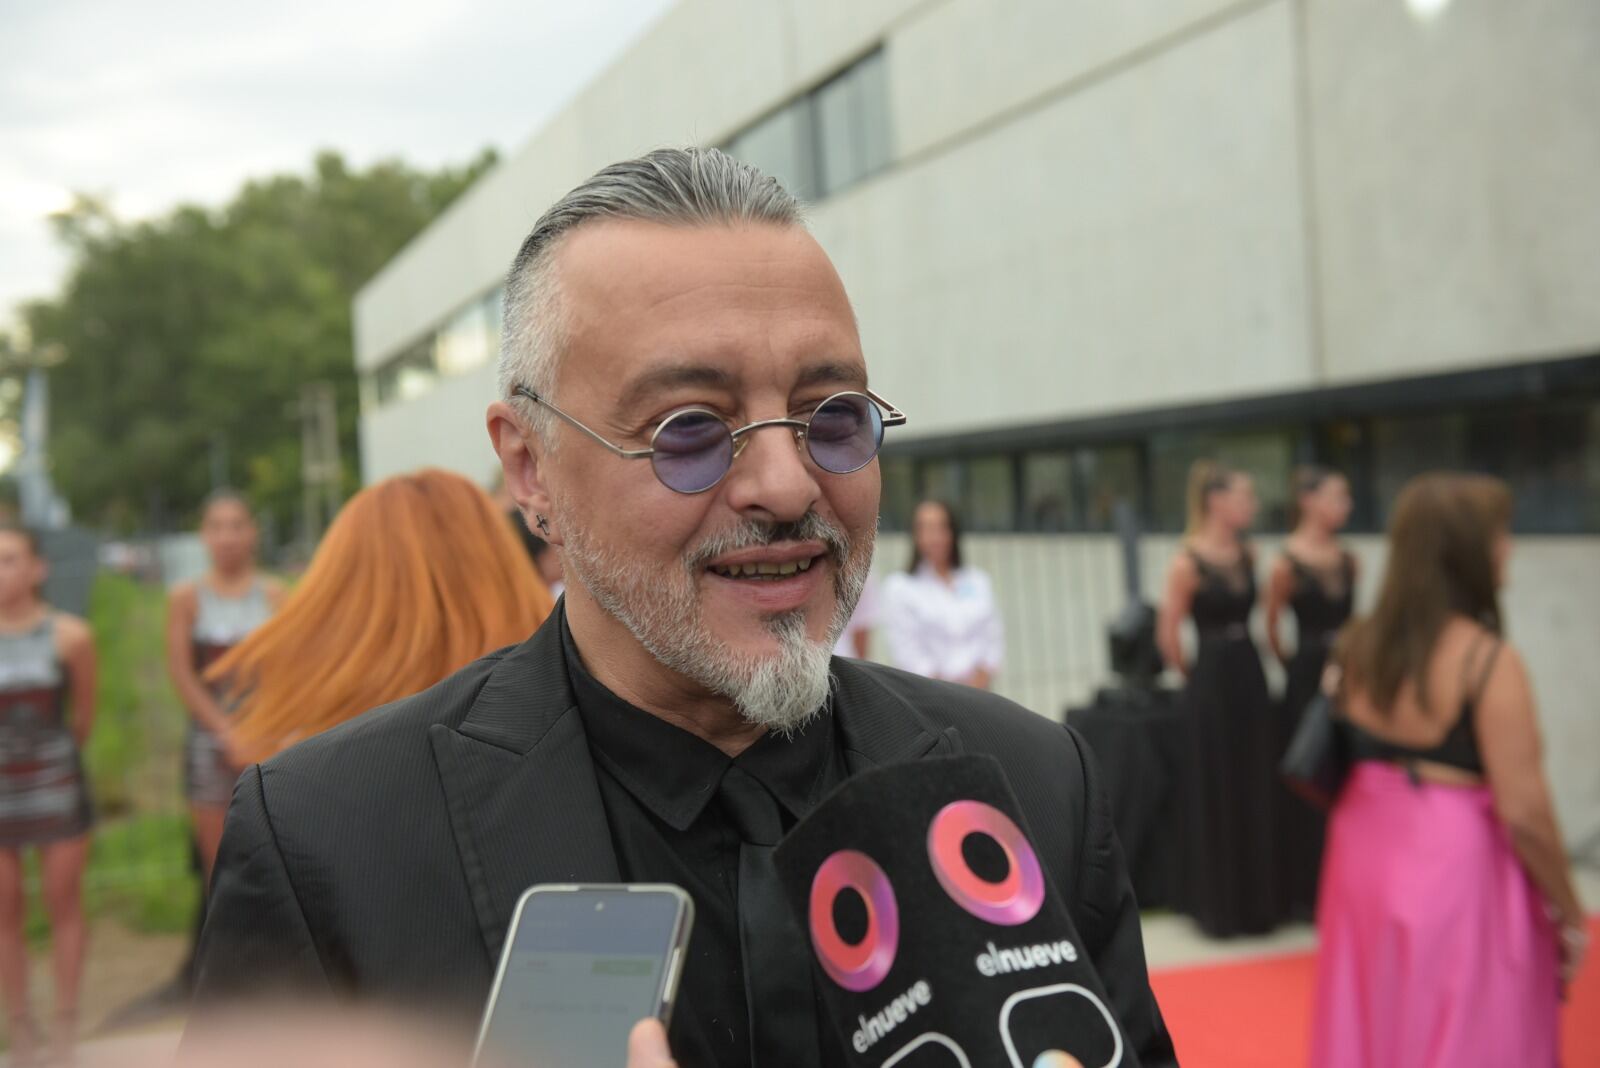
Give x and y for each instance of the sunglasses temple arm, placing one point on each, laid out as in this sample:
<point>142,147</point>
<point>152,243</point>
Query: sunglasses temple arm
<point>627,454</point>
<point>895,417</point>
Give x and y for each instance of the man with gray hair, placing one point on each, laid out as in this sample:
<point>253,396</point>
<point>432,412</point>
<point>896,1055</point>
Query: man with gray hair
<point>684,410</point>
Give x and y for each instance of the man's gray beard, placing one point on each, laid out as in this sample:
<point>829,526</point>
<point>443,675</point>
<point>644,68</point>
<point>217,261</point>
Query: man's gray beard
<point>781,692</point>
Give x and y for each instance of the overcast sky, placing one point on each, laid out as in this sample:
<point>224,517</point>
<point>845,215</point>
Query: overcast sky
<point>166,101</point>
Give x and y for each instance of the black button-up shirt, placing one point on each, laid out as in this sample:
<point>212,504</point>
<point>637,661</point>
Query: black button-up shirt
<point>658,783</point>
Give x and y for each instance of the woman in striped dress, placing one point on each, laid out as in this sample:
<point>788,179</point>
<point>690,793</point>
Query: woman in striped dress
<point>205,619</point>
<point>47,691</point>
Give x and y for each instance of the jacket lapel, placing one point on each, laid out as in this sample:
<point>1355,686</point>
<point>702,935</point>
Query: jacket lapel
<point>879,726</point>
<point>523,802</point>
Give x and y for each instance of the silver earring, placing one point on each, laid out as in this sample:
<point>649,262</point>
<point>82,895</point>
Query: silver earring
<point>542,523</point>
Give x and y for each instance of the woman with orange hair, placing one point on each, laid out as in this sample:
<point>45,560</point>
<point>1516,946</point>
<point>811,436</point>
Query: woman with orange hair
<point>418,576</point>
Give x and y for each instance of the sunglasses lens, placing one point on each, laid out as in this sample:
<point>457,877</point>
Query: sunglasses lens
<point>693,451</point>
<point>845,433</point>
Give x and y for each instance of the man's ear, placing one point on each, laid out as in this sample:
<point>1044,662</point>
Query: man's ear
<point>522,461</point>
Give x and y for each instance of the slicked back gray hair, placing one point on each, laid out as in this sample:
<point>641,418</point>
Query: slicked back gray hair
<point>674,186</point>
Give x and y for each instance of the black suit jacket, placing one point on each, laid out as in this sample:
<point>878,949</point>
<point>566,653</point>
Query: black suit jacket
<point>383,858</point>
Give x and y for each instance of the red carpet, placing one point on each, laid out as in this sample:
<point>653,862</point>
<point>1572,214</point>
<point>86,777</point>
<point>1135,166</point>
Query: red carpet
<point>1257,1013</point>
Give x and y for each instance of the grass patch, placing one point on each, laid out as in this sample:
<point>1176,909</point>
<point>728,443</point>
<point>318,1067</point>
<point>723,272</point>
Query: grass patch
<point>138,874</point>
<point>135,751</point>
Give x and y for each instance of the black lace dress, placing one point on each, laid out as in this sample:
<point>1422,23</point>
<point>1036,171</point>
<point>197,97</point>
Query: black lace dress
<point>1322,601</point>
<point>1232,884</point>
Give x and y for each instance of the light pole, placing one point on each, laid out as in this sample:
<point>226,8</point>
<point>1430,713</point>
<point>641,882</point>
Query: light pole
<point>320,471</point>
<point>42,507</point>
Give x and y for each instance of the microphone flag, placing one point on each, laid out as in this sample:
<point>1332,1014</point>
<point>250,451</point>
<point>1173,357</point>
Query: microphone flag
<point>937,935</point>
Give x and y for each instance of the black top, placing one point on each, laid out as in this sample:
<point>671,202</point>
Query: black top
<point>1323,598</point>
<point>1458,748</point>
<point>658,783</point>
<point>1225,597</point>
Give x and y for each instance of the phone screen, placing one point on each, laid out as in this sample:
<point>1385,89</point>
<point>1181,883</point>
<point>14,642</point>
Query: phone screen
<point>582,967</point>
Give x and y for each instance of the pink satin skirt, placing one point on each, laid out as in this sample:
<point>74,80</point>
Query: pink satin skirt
<point>1435,950</point>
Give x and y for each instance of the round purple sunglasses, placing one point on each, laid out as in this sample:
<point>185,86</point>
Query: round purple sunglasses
<point>693,449</point>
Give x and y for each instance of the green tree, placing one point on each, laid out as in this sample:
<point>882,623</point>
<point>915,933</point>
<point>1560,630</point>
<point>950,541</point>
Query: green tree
<point>194,332</point>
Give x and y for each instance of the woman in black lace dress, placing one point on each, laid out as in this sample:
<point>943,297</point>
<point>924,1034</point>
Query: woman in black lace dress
<point>1231,883</point>
<point>1315,578</point>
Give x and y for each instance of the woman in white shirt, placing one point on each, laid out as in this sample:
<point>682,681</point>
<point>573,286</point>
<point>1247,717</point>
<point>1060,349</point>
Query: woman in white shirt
<point>939,618</point>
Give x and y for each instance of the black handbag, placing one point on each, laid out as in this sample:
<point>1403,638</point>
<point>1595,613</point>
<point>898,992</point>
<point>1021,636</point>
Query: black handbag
<point>1316,762</point>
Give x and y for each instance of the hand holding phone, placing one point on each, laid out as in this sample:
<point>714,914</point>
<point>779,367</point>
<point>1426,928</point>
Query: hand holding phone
<point>647,1046</point>
<point>582,965</point>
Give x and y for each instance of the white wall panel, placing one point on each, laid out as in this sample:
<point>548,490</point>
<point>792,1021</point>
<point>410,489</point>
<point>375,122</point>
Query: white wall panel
<point>959,64</point>
<point>1135,244</point>
<point>829,35</point>
<point>1457,169</point>
<point>443,428</point>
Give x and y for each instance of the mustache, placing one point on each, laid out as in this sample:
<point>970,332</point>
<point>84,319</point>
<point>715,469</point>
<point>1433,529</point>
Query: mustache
<point>752,533</point>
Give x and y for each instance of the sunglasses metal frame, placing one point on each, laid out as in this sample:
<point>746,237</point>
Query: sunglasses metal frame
<point>892,417</point>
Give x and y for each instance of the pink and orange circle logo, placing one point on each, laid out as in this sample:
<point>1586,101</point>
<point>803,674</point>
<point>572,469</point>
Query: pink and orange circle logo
<point>862,965</point>
<point>1013,900</point>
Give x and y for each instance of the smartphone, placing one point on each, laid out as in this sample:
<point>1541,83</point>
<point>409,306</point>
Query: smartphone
<point>581,966</point>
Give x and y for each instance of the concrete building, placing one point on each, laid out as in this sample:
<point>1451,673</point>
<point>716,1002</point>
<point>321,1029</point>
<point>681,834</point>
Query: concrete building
<point>1089,242</point>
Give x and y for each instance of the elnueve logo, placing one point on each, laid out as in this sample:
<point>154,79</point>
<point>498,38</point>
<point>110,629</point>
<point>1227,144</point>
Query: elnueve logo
<point>891,1016</point>
<point>1025,958</point>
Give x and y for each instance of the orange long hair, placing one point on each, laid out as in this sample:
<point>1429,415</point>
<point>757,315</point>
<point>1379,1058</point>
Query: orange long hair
<point>418,576</point>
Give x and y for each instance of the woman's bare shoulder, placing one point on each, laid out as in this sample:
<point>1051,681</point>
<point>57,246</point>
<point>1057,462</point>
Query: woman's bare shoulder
<point>72,632</point>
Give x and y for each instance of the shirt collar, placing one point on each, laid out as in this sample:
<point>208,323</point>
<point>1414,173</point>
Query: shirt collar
<point>800,769</point>
<point>675,774</point>
<point>926,572</point>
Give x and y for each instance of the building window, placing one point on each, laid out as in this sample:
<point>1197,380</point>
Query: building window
<point>1079,489</point>
<point>463,342</point>
<point>852,117</point>
<point>407,375</point>
<point>1403,448</point>
<point>782,145</point>
<point>827,139</point>
<point>493,307</point>
<point>1266,455</point>
<point>1590,459</point>
<point>1106,477</point>
<point>990,503</point>
<point>940,480</point>
<point>1345,446</point>
<point>1548,453</point>
<point>468,339</point>
<point>1047,497</point>
<point>983,491</point>
<point>1547,449</point>
<point>899,492</point>
<point>1545,453</point>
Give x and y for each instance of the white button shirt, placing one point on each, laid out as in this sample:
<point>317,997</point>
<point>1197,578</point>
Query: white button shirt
<point>938,629</point>
<point>864,618</point>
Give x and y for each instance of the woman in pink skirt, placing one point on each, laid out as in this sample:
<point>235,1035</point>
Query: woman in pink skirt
<point>1447,917</point>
